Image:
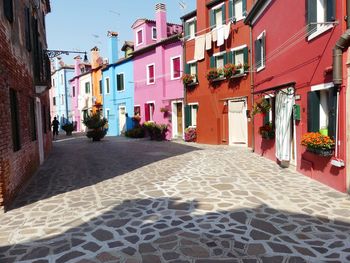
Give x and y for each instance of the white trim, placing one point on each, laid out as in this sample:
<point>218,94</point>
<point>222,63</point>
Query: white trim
<point>137,37</point>
<point>239,47</point>
<point>245,144</point>
<point>192,103</point>
<point>174,118</point>
<point>172,67</point>
<point>150,102</point>
<point>217,7</point>
<point>191,19</point>
<point>263,33</point>
<point>154,38</point>
<point>219,54</point>
<point>261,11</point>
<point>322,86</point>
<point>320,31</point>
<point>107,110</point>
<point>269,96</point>
<point>116,80</point>
<point>137,105</point>
<point>147,74</point>
<point>109,88</point>
<point>191,61</point>
<point>260,68</point>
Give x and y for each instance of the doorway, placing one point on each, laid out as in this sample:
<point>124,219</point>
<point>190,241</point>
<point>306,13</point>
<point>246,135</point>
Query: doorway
<point>177,120</point>
<point>39,128</point>
<point>238,123</point>
<point>122,119</point>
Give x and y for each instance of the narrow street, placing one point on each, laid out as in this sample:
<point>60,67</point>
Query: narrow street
<point>123,200</point>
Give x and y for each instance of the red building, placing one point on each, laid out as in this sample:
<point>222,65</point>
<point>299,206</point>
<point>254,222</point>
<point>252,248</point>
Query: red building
<point>25,137</point>
<point>215,37</point>
<point>293,71</point>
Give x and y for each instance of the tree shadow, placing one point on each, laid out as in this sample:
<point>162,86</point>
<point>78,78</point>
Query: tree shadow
<point>175,230</point>
<point>77,163</point>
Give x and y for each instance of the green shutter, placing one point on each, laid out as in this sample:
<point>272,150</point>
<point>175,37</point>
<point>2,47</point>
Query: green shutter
<point>225,58</point>
<point>212,18</point>
<point>187,30</point>
<point>195,26</point>
<point>313,111</point>
<point>330,10</point>
<point>188,120</point>
<point>245,55</point>
<point>257,47</point>
<point>212,62</point>
<point>263,44</point>
<point>223,8</point>
<point>230,9</point>
<point>311,14</point>
<point>122,81</point>
<point>229,57</point>
<point>187,68</point>
<point>332,114</point>
<point>244,7</point>
<point>118,82</point>
<point>27,28</point>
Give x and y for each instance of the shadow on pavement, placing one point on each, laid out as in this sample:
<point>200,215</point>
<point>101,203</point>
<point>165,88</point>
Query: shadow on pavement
<point>172,230</point>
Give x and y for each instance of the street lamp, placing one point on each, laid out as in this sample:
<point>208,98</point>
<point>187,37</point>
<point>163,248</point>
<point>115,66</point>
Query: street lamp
<point>55,53</point>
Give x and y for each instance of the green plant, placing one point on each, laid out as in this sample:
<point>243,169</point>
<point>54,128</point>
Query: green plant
<point>96,126</point>
<point>137,132</point>
<point>246,66</point>
<point>156,131</point>
<point>267,131</point>
<point>68,128</point>
<point>263,106</point>
<point>214,74</point>
<point>188,79</point>
<point>229,70</point>
<point>315,140</point>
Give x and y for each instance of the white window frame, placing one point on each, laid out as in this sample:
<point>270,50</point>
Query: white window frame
<point>154,37</point>
<point>263,49</point>
<point>192,109</point>
<point>244,12</point>
<point>107,113</point>
<point>321,28</point>
<point>149,109</point>
<point>154,74</point>
<point>239,48</point>
<point>89,87</point>
<point>137,37</point>
<point>216,8</point>
<point>191,21</point>
<point>109,86</point>
<point>116,80</point>
<point>172,72</point>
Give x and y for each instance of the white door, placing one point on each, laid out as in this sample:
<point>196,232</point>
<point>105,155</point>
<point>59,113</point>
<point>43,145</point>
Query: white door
<point>237,121</point>
<point>122,119</point>
<point>39,128</point>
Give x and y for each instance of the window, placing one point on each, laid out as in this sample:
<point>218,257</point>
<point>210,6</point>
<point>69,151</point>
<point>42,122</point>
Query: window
<point>175,68</point>
<point>137,110</point>
<point>139,37</point>
<point>260,51</point>
<point>237,9</point>
<point>322,111</point>
<point>154,33</point>
<point>239,56</point>
<point>217,15</point>
<point>270,116</point>
<point>107,85</point>
<point>100,86</point>
<point>150,74</point>
<point>190,28</point>
<point>61,79</point>
<point>120,82</point>
<point>15,120</point>
<point>87,87</point>
<point>149,111</point>
<point>32,119</point>
<point>191,68</point>
<point>27,29</point>
<point>62,99</point>
<point>8,10</point>
<point>191,115</point>
<point>53,82</point>
<point>218,60</point>
<point>107,114</point>
<point>54,101</point>
<point>318,13</point>
<point>73,89</point>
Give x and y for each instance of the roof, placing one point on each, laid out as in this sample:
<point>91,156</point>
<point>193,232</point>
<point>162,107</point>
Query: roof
<point>189,15</point>
<point>168,40</point>
<point>257,7</point>
<point>146,20</point>
<point>127,44</point>
<point>214,2</point>
<point>120,61</point>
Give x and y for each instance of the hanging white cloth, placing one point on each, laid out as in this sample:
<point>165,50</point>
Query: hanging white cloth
<point>214,34</point>
<point>284,109</point>
<point>221,36</point>
<point>208,41</point>
<point>199,47</point>
<point>227,30</point>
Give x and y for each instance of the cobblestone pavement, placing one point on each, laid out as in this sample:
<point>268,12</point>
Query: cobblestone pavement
<point>132,201</point>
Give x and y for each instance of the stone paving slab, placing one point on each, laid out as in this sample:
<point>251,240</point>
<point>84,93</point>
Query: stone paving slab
<point>130,201</point>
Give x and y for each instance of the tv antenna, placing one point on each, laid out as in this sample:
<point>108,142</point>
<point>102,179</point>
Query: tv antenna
<point>183,6</point>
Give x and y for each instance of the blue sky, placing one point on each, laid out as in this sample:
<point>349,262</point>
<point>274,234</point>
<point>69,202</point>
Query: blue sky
<point>83,24</point>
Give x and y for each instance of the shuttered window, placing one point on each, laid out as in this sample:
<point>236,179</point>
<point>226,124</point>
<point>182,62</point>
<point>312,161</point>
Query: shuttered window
<point>237,9</point>
<point>191,115</point>
<point>260,49</point>
<point>217,15</point>
<point>120,82</point>
<point>100,87</point>
<point>150,74</point>
<point>32,119</point>
<point>318,12</point>
<point>238,56</point>
<point>27,29</point>
<point>15,121</point>
<point>190,29</point>
<point>107,85</point>
<point>8,10</point>
<point>149,111</point>
<point>87,87</point>
<point>175,68</point>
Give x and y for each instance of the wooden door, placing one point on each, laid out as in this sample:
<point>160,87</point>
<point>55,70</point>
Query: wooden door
<point>179,119</point>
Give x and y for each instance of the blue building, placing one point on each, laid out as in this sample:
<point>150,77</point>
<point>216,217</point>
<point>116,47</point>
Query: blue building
<point>60,95</point>
<point>118,87</point>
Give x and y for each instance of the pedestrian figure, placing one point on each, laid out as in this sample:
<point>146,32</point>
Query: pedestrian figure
<point>55,124</point>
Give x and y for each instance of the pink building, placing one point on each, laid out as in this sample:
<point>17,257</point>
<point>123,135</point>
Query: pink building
<point>159,90</point>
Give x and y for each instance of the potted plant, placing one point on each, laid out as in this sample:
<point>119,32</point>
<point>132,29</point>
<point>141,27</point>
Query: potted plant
<point>96,125</point>
<point>190,134</point>
<point>188,79</point>
<point>68,128</point>
<point>239,68</point>
<point>214,74</point>
<point>317,143</point>
<point>165,111</point>
<point>229,70</point>
<point>267,131</point>
<point>246,67</point>
<point>155,131</point>
<point>263,106</point>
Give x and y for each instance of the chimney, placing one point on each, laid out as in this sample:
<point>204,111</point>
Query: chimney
<point>161,23</point>
<point>95,57</point>
<point>112,47</point>
<point>77,70</point>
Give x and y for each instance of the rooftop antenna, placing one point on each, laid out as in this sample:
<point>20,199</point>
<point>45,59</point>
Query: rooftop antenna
<point>183,6</point>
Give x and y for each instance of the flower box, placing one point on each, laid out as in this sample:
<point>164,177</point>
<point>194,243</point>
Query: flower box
<point>321,152</point>
<point>318,144</point>
<point>221,78</point>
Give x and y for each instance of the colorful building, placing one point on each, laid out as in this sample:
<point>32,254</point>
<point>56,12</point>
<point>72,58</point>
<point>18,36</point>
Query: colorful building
<point>157,72</point>
<point>96,79</point>
<point>26,138</point>
<point>118,87</point>
<point>60,92</point>
<point>295,72</point>
<point>217,41</point>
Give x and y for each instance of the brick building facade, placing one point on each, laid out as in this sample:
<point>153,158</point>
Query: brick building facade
<point>25,137</point>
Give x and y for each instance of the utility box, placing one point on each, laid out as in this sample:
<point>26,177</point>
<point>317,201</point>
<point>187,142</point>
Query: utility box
<point>296,112</point>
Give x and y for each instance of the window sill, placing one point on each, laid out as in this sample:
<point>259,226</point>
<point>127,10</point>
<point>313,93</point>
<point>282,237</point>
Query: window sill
<point>260,68</point>
<point>217,79</point>
<point>319,31</point>
<point>192,84</point>
<point>120,91</point>
<point>152,83</point>
<point>175,78</point>
<point>240,75</point>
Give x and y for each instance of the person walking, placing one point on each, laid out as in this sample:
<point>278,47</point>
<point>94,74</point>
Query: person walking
<point>55,124</point>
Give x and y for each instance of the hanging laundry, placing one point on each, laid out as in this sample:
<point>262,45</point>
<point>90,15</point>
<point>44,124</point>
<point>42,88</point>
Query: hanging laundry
<point>208,41</point>
<point>199,47</point>
<point>214,34</point>
<point>227,30</point>
<point>221,36</point>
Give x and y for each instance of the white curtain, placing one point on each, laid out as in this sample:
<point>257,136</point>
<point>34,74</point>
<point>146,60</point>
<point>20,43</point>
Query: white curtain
<point>284,109</point>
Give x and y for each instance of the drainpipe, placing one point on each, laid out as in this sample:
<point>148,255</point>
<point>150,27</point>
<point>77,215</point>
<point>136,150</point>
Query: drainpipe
<point>252,81</point>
